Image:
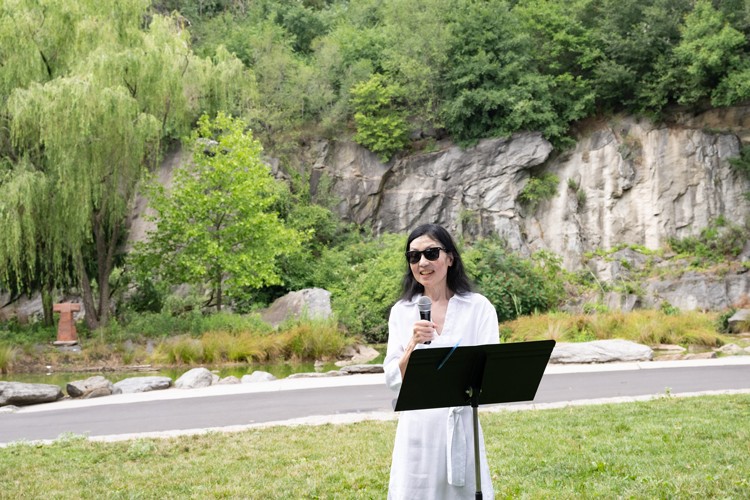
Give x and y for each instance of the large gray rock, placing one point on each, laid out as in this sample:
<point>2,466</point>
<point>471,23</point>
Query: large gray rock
<point>600,351</point>
<point>740,321</point>
<point>195,378</point>
<point>143,384</point>
<point>92,387</point>
<point>310,302</point>
<point>21,394</point>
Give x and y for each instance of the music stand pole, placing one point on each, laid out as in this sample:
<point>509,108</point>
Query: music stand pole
<point>473,394</point>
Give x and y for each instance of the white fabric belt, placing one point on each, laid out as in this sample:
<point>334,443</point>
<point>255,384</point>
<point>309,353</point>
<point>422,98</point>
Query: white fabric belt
<point>456,449</point>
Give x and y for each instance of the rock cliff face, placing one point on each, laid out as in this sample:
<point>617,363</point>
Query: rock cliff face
<point>625,182</point>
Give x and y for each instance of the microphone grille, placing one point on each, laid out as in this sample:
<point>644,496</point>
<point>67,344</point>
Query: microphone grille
<point>424,303</point>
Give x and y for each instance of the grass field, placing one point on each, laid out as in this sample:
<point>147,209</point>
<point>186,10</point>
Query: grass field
<point>665,448</point>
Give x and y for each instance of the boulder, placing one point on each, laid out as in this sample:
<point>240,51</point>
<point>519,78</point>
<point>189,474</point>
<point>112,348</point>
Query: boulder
<point>257,376</point>
<point>740,321</point>
<point>600,351</point>
<point>143,384</point>
<point>195,378</point>
<point>92,387</point>
<point>310,302</point>
<point>21,394</point>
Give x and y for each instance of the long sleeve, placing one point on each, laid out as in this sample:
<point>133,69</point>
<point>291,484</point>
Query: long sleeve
<point>396,348</point>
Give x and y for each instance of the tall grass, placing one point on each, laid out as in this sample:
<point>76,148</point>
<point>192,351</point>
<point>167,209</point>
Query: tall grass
<point>7,357</point>
<point>648,327</point>
<point>314,339</point>
<point>301,340</point>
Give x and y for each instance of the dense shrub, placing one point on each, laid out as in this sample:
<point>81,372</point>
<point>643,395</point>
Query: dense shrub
<point>381,126</point>
<point>515,286</point>
<point>365,284</point>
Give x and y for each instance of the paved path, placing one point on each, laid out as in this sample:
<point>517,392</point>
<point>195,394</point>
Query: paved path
<point>346,399</point>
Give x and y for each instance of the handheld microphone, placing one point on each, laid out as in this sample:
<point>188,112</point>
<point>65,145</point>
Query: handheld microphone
<point>424,304</point>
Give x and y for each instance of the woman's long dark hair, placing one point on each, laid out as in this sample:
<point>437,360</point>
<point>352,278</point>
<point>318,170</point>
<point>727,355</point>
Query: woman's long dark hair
<point>458,281</point>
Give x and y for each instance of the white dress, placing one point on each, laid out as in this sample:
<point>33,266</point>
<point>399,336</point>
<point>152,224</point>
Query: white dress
<point>427,441</point>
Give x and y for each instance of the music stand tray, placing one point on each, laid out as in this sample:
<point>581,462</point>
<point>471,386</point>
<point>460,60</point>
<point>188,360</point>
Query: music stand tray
<point>473,375</point>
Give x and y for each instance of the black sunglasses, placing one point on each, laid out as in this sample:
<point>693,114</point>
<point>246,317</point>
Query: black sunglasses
<point>414,256</point>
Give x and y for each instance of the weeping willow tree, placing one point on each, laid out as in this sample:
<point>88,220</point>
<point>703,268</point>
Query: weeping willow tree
<point>92,165</point>
<point>91,91</point>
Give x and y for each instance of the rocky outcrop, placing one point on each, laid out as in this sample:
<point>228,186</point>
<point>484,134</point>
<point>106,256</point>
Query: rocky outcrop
<point>626,181</point>
<point>472,190</point>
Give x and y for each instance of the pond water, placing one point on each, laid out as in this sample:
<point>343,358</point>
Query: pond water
<point>279,370</point>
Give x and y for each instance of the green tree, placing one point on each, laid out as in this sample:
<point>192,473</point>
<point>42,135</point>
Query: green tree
<point>217,223</point>
<point>83,150</point>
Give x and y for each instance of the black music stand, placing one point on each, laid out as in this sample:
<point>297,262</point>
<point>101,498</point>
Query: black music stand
<point>482,374</point>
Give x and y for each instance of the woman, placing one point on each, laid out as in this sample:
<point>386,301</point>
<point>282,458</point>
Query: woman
<point>433,454</point>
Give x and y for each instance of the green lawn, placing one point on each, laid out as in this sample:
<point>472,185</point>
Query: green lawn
<point>665,448</point>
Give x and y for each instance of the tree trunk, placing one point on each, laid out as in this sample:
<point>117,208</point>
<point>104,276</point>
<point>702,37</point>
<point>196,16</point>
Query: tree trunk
<point>48,304</point>
<point>218,293</point>
<point>92,315</point>
<point>106,245</point>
